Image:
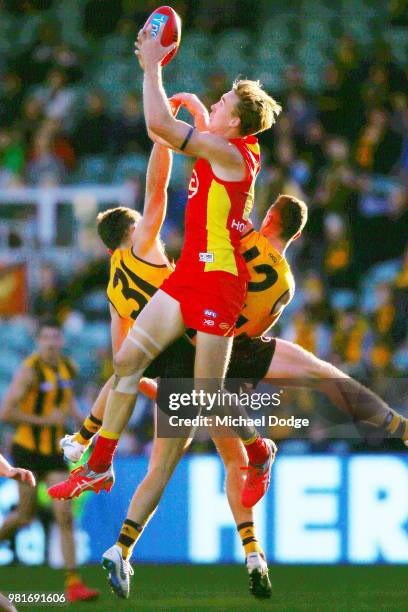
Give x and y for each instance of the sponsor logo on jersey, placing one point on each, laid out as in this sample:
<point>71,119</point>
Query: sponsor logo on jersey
<point>193,186</point>
<point>47,386</point>
<point>239,225</point>
<point>224,326</point>
<point>206,257</point>
<point>209,322</point>
<point>210,313</point>
<point>156,22</point>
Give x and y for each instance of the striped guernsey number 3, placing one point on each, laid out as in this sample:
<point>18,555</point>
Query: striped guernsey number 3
<point>128,292</point>
<point>269,273</point>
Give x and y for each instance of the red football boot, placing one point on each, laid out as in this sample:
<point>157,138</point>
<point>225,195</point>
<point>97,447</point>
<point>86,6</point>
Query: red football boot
<point>80,592</point>
<point>258,478</point>
<point>82,479</point>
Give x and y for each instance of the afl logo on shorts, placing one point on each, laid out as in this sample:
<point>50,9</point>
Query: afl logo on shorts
<point>193,186</point>
<point>210,313</point>
<point>224,326</point>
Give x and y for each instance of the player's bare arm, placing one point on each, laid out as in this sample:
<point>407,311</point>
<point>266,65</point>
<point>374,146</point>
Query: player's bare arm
<point>155,205</point>
<point>280,306</point>
<point>215,148</point>
<point>119,329</point>
<point>194,106</point>
<point>8,471</point>
<point>22,382</point>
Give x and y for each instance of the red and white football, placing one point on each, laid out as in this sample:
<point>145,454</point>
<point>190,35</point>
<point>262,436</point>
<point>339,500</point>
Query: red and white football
<point>171,32</point>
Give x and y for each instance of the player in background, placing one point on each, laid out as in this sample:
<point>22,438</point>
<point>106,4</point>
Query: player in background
<point>21,475</point>
<point>38,402</point>
<point>210,274</point>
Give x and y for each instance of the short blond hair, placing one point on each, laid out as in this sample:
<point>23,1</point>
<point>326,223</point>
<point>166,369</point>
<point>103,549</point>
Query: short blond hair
<point>256,109</point>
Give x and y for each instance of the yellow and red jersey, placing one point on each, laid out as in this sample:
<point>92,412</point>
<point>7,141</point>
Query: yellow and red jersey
<point>271,285</point>
<point>134,281</point>
<point>216,215</point>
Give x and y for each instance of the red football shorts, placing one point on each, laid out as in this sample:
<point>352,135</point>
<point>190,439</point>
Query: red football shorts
<point>210,302</point>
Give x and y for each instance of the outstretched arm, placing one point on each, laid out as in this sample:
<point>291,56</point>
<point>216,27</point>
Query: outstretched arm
<point>155,205</point>
<point>158,114</point>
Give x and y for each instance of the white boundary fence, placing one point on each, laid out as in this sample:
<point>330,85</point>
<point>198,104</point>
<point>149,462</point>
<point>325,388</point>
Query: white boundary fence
<point>84,199</point>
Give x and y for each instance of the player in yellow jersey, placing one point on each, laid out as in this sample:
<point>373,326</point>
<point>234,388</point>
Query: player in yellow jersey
<point>38,402</point>
<point>138,267</point>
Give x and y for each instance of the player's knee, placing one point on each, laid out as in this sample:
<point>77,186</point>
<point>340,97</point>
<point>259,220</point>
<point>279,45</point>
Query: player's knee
<point>123,365</point>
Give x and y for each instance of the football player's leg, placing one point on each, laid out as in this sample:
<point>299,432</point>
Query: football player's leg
<point>76,590</point>
<point>63,518</point>
<point>211,362</point>
<point>292,363</point>
<point>166,453</point>
<point>23,514</point>
<point>159,323</point>
<point>150,335</point>
<point>233,455</point>
<point>75,445</point>
<point>175,372</point>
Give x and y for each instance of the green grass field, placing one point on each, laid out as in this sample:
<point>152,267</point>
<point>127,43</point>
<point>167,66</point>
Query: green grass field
<point>218,588</point>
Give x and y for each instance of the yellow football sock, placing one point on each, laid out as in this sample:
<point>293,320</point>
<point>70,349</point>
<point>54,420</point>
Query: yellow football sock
<point>90,427</point>
<point>129,535</point>
<point>398,426</point>
<point>251,440</point>
<point>249,542</point>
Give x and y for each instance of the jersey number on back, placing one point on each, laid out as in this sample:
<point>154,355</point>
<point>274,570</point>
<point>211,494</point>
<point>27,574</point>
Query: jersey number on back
<point>270,278</point>
<point>128,292</point>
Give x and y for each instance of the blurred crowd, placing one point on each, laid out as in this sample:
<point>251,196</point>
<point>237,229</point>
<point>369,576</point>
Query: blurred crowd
<point>341,145</point>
